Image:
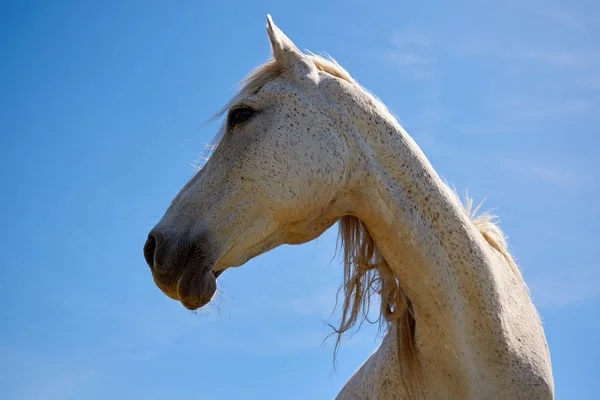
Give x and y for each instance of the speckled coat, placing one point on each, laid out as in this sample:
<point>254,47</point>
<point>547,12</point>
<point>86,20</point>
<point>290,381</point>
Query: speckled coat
<point>305,145</point>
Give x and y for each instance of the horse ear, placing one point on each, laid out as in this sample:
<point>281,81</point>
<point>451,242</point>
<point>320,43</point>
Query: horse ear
<point>285,51</point>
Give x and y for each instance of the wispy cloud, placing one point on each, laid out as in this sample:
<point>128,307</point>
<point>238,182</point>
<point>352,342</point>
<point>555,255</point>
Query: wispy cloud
<point>570,287</point>
<point>590,82</point>
<point>554,175</point>
<point>406,59</point>
<point>411,52</point>
<point>577,57</point>
<point>470,129</point>
<point>560,17</point>
<point>581,58</point>
<point>410,39</point>
<point>558,175</point>
<point>561,178</point>
<point>573,59</point>
<point>518,108</point>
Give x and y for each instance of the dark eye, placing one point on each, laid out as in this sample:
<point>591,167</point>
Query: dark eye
<point>239,115</point>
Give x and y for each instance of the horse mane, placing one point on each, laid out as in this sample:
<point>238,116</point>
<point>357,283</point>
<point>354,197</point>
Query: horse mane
<point>366,273</point>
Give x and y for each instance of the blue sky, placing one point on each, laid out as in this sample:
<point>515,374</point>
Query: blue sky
<point>101,113</point>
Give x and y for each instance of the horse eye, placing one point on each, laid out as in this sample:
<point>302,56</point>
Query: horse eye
<point>239,115</point>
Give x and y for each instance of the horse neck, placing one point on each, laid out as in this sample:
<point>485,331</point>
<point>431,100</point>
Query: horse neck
<point>460,287</point>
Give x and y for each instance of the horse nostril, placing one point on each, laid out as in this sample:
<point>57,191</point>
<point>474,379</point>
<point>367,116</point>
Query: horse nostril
<point>149,250</point>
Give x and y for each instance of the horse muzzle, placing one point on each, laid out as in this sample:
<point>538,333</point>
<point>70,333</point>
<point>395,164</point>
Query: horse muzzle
<point>182,268</point>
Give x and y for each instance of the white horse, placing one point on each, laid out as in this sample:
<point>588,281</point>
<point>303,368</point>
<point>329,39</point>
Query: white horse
<point>305,146</point>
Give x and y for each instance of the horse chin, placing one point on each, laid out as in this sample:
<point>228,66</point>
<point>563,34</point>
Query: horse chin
<point>196,288</point>
<point>218,273</point>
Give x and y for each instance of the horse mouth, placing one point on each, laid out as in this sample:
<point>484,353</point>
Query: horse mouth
<point>196,288</point>
<point>193,288</point>
<point>183,269</point>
